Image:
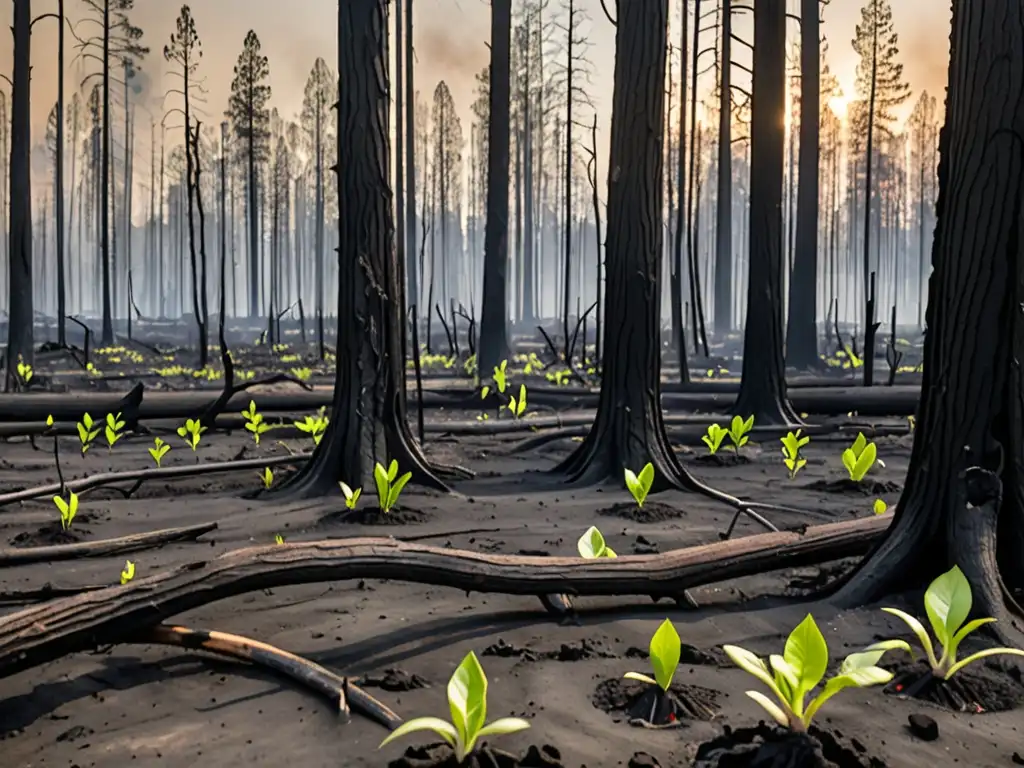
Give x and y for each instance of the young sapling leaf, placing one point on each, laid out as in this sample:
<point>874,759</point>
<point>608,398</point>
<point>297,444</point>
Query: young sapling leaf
<point>128,573</point>
<point>665,650</point>
<point>592,545</point>
<point>351,497</point>
<point>159,450</point>
<point>68,509</point>
<point>713,438</point>
<point>640,485</point>
<point>738,430</point>
<point>879,507</point>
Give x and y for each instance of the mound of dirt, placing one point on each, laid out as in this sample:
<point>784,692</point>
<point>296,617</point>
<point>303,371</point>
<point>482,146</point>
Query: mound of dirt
<point>394,680</point>
<point>49,535</point>
<point>650,512</point>
<point>976,688</point>
<point>771,747</point>
<point>648,704</point>
<point>442,756</point>
<point>578,651</point>
<point>376,516</point>
<point>722,459</point>
<point>854,487</point>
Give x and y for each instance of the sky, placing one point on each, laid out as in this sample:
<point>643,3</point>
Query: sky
<point>450,40</point>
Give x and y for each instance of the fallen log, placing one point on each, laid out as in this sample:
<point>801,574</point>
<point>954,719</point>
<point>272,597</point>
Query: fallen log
<point>339,690</point>
<point>103,547</point>
<point>139,476</point>
<point>69,406</point>
<point>45,632</point>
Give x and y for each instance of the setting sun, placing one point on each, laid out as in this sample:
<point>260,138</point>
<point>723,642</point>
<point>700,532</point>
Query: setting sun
<point>839,105</point>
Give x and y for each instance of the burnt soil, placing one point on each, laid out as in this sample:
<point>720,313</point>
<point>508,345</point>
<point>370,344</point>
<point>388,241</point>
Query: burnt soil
<point>152,706</point>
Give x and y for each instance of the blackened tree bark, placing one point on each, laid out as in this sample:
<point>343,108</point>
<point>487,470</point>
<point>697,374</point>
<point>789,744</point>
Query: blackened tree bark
<point>763,383</point>
<point>723,216</point>
<point>368,422</point>
<point>628,430</point>
<point>971,412</point>
<point>494,307</point>
<point>21,318</point>
<point>801,327</point>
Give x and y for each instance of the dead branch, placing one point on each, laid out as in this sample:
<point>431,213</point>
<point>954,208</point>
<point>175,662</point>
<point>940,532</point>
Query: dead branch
<point>337,689</point>
<point>42,633</point>
<point>139,476</point>
<point>121,545</point>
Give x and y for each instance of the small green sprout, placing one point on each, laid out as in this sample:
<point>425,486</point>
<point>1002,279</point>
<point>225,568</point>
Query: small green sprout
<point>49,420</point>
<point>190,431</point>
<point>112,431</point>
<point>302,374</point>
<point>278,538</point>
<point>501,377</point>
<point>389,485</point>
<point>467,700</point>
<point>714,437</point>
<point>592,545</point>
<point>518,406</point>
<point>267,476</point>
<point>640,485</point>
<point>911,423</point>
<point>24,371</point>
<point>791,445</point>
<point>128,573</point>
<point>947,601</point>
<point>879,507</point>
<point>859,457</point>
<point>738,431</point>
<point>352,497</point>
<point>799,671</point>
<point>159,450</point>
<point>86,433</point>
<point>665,649</point>
<point>68,509</point>
<point>254,422</point>
<point>314,426</point>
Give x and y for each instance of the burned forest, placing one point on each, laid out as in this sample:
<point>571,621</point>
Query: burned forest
<point>512,384</point>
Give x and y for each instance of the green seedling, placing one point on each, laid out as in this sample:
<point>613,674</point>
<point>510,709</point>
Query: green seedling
<point>501,376</point>
<point>800,670</point>
<point>86,433</point>
<point>68,509</point>
<point>159,450</point>
<point>517,407</point>
<point>302,374</point>
<point>191,431</point>
<point>278,538</point>
<point>911,423</point>
<point>947,601</point>
<point>254,422</point>
<point>738,431</point>
<point>128,573</point>
<point>791,445</point>
<point>714,437</point>
<point>314,426</point>
<point>389,485</point>
<point>879,507</point>
<point>24,371</point>
<point>467,700</point>
<point>640,485</point>
<point>859,457</point>
<point>351,497</point>
<point>665,649</point>
<point>267,476</point>
<point>112,430</point>
<point>592,545</point>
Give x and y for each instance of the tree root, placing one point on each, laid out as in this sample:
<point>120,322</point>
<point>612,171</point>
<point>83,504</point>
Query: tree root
<point>339,690</point>
<point>45,632</point>
<point>139,476</point>
<point>104,547</point>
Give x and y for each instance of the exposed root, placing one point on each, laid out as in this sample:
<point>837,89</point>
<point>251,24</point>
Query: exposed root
<point>339,690</point>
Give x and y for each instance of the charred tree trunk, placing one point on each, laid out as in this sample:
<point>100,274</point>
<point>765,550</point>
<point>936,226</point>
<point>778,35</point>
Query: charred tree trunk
<point>628,430</point>
<point>723,223</point>
<point>21,317</point>
<point>970,414</point>
<point>494,308</point>
<point>802,328</point>
<point>107,336</point>
<point>59,193</point>
<point>763,384</point>
<point>368,414</point>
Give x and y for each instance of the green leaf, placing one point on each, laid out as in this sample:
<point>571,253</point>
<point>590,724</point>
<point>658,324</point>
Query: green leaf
<point>807,652</point>
<point>981,655</point>
<point>918,629</point>
<point>640,677</point>
<point>380,477</point>
<point>646,478</point>
<point>864,462</point>
<point>879,507</point>
<point>860,677</point>
<point>442,728</point>
<point>62,506</point>
<point>748,424</point>
<point>858,445</point>
<point>736,427</point>
<point>849,460</point>
<point>467,698</point>
<point>770,707</point>
<point>963,632</point>
<point>396,489</point>
<point>87,420</point>
<point>591,544</point>
<point>502,726</point>
<point>665,650</point>
<point>393,470</point>
<point>947,601</point>
<point>752,665</point>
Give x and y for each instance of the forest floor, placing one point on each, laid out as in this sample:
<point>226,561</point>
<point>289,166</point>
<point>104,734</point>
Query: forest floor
<point>154,706</point>
<point>142,705</point>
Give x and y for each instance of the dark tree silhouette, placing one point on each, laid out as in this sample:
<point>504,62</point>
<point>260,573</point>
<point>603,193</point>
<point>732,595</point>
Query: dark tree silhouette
<point>629,430</point>
<point>21,317</point>
<point>802,322</point>
<point>368,422</point>
<point>250,118</point>
<point>494,307</point>
<point>763,383</point>
<point>969,442</point>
